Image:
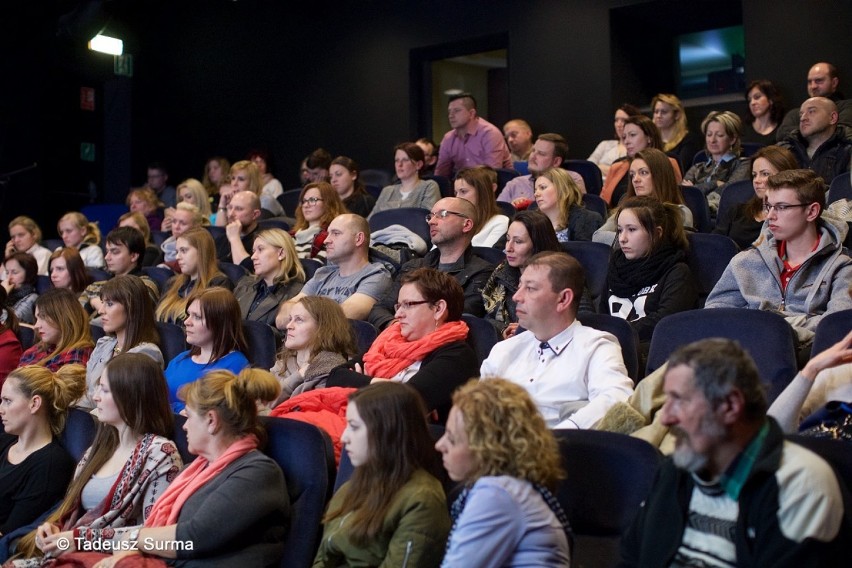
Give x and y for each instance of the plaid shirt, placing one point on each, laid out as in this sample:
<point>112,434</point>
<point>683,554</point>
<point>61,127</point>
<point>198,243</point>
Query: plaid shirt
<point>40,351</point>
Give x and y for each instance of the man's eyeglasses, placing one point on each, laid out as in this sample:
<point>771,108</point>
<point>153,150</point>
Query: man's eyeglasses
<point>405,306</point>
<point>781,207</point>
<point>311,200</point>
<point>443,214</point>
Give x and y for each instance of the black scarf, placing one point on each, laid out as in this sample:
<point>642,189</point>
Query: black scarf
<point>626,277</point>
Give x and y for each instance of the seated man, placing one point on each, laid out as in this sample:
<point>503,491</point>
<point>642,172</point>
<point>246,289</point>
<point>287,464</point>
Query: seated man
<point>125,247</point>
<point>451,231</point>
<point>820,143</point>
<point>734,493</point>
<point>549,151</point>
<point>349,279</point>
<point>573,373</point>
<point>798,268</point>
<point>234,246</point>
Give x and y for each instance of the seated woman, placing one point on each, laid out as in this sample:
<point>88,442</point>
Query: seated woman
<point>68,271</point>
<point>62,327</point>
<point>477,185</point>
<point>640,133</point>
<point>196,257</point>
<point>34,467</point>
<point>651,175</point>
<point>411,191</point>
<point>25,237</point>
<point>214,330</point>
<point>192,192</point>
<point>10,345</point>
<point>530,232</point>
<point>609,151</point>
<point>678,141</point>
<point>143,200</point>
<point>648,277</point>
<point>20,281</point>
<point>244,176</point>
<point>743,222</point>
<point>319,205</point>
<point>180,220</point>
<point>271,188</point>
<point>129,465</point>
<point>215,171</point>
<point>498,446</point>
<point>83,236</point>
<point>346,182</point>
<point>137,220</point>
<point>319,339</point>
<point>278,276</point>
<point>393,511</point>
<point>558,197</point>
<point>127,315</point>
<point>425,346</point>
<point>766,112</point>
<point>722,133</point>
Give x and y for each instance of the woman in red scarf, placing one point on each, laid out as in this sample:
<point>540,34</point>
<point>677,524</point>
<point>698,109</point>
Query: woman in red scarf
<point>426,345</point>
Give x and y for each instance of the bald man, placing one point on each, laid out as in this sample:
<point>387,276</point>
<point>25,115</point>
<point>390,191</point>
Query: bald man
<point>822,81</point>
<point>820,144</point>
<point>519,137</point>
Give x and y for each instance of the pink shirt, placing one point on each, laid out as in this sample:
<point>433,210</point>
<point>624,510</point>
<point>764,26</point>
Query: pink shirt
<point>485,147</point>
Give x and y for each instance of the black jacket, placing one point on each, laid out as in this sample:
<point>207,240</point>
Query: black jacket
<point>829,161</point>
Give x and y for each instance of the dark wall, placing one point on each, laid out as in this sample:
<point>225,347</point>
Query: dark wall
<point>219,77</point>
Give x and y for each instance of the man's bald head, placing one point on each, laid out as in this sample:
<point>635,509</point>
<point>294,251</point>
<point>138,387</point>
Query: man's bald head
<point>817,117</point>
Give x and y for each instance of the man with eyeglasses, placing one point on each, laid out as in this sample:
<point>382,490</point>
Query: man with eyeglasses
<point>451,230</point>
<point>820,143</point>
<point>243,213</point>
<point>158,180</point>
<point>798,267</point>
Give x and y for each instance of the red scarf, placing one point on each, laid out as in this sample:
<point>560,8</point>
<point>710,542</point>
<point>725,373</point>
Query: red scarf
<point>392,353</point>
<point>200,471</point>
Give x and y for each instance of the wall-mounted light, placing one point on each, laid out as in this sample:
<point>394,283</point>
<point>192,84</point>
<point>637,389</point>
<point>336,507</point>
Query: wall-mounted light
<point>106,44</point>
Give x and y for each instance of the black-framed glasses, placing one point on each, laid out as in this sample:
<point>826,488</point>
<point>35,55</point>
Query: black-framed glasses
<point>781,207</point>
<point>443,214</point>
<point>311,200</point>
<point>405,306</point>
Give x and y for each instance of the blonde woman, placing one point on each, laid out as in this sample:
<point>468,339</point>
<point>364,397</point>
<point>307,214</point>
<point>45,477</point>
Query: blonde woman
<point>143,200</point>
<point>184,217</point>
<point>561,200</point>
<point>190,191</point>
<point>498,447</point>
<point>25,236</point>
<point>80,234</point>
<point>670,118</point>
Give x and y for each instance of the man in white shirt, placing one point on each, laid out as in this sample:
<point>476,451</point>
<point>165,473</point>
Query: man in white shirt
<point>573,373</point>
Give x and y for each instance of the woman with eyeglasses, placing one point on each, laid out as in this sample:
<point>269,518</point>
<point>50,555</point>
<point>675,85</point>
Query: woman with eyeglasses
<point>425,346</point>
<point>411,191</point>
<point>319,204</point>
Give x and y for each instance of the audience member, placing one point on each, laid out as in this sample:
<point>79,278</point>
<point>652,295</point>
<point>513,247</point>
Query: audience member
<point>215,171</point>
<point>192,192</point>
<point>572,372</point>
<point>609,151</point>
<point>10,345</point>
<point>346,181</point>
<point>152,255</point>
<point>158,182</point>
<point>766,111</point>
<point>271,188</point>
<point>19,283</point>
<point>651,174</point>
<point>25,237</point>
<point>477,185</point>
<point>350,279</point>
<point>822,81</point>
<point>640,133</point>
<point>734,493</point>
<point>670,118</point>
<point>561,200</point>
<point>215,334</point>
<point>143,200</point>
<point>183,218</point>
<point>451,230</point>
<point>393,511</point>
<point>549,151</point>
<point>83,236</point>
<point>519,138</point>
<point>430,155</point>
<point>62,328</point>
<point>241,229</point>
<point>319,205</point>
<point>648,277</point>
<point>743,222</point>
<point>319,338</point>
<point>317,166</point>
<point>529,233</point>
<point>278,276</point>
<point>499,447</point>
<point>820,144</point>
<point>722,133</point>
<point>473,141</point>
<point>127,315</point>
<point>411,191</point>
<point>129,465</point>
<point>196,257</point>
<point>68,271</point>
<point>36,468</point>
<point>799,268</point>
